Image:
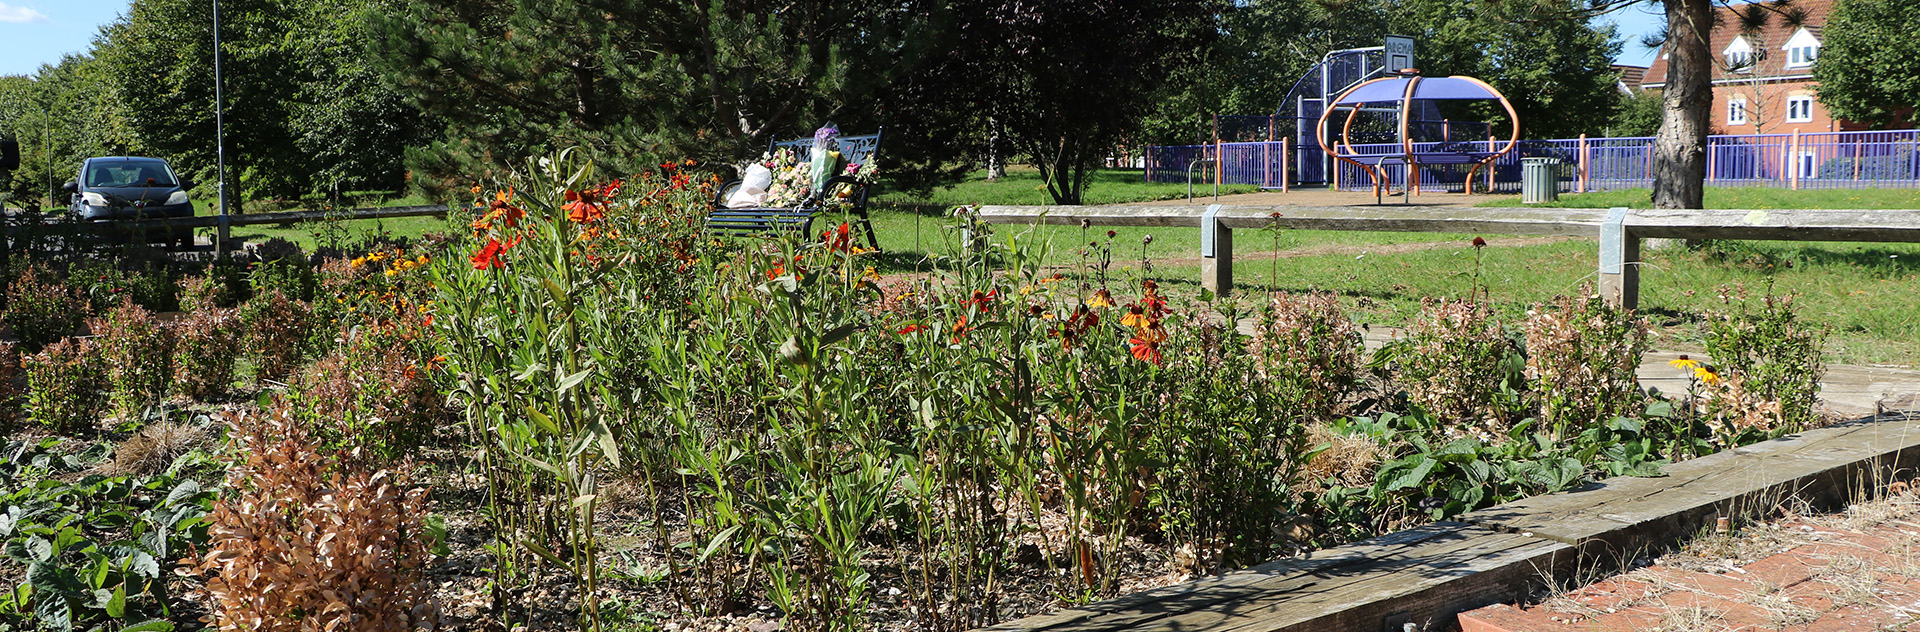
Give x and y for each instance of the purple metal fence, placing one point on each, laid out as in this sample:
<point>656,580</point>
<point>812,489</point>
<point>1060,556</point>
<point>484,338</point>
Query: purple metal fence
<point>1824,160</point>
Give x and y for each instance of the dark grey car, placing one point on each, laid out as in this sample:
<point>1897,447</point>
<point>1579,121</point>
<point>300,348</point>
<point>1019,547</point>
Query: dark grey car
<point>124,188</point>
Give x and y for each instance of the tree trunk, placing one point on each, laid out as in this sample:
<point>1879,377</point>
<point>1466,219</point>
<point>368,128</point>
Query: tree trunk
<point>1680,147</point>
<point>996,166</point>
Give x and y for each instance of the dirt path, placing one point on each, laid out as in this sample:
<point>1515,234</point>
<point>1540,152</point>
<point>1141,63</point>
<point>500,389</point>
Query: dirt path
<point>1249,258</point>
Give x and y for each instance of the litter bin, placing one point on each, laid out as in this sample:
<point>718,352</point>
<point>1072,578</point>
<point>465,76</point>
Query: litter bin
<point>1539,180</point>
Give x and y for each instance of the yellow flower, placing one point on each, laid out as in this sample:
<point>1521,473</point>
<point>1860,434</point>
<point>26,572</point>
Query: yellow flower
<point>1100,299</point>
<point>871,274</point>
<point>1705,374</point>
<point>1685,363</point>
<point>392,272</point>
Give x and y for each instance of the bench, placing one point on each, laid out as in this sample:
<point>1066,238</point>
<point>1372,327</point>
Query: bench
<point>854,149</point>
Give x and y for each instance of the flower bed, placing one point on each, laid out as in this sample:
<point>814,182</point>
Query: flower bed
<point>611,403</point>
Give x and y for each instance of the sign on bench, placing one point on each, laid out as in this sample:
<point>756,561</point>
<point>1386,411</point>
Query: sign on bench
<point>793,184</point>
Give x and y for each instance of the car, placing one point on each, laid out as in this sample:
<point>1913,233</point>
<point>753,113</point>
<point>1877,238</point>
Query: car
<point>131,187</point>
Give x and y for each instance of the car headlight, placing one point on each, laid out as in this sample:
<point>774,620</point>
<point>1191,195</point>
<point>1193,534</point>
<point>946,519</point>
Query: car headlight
<point>93,199</point>
<point>178,197</point>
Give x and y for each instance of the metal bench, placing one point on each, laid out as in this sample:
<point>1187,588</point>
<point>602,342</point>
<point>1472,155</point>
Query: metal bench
<point>856,150</point>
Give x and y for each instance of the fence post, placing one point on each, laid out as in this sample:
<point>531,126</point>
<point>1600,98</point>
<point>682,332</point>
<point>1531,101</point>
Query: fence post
<point>1216,253</point>
<point>1580,158</point>
<point>1286,166</point>
<point>1793,155</point>
<point>1619,262</point>
<point>1491,167</point>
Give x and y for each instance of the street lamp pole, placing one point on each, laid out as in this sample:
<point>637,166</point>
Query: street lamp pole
<point>220,135</point>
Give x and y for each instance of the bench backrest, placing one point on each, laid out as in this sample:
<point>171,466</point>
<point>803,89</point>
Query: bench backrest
<point>856,149</point>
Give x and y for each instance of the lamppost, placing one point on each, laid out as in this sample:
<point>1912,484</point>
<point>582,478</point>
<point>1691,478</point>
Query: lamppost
<point>220,136</point>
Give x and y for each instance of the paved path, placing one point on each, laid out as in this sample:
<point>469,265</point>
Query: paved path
<point>1858,570</point>
<point>1323,197</point>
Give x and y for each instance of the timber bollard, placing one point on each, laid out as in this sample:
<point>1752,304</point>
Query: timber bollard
<point>1216,253</point>
<point>1619,261</point>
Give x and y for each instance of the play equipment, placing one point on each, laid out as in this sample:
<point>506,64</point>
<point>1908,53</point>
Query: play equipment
<point>1394,106</point>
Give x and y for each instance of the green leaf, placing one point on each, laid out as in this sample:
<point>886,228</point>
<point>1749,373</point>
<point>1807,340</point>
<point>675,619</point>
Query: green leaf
<point>719,540</point>
<point>542,420</point>
<point>604,438</point>
<point>1413,477</point>
<point>838,334</point>
<point>149,626</point>
<point>117,604</point>
<point>567,383</point>
<point>542,551</point>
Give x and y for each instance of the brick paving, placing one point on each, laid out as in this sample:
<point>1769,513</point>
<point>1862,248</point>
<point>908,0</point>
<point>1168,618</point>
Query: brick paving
<point>1857,570</point>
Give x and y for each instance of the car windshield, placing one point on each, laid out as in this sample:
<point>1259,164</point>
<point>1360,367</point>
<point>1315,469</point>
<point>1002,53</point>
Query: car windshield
<point>129,173</point>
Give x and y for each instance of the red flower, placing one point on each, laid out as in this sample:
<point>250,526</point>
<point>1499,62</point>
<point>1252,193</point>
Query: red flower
<point>1145,351</point>
<point>1479,243</point>
<point>489,255</point>
<point>910,329</point>
<point>839,239</point>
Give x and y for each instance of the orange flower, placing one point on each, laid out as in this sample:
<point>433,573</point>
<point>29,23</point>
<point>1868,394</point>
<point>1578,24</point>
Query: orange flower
<point>1146,351</point>
<point>910,329</point>
<point>839,239</point>
<point>489,255</point>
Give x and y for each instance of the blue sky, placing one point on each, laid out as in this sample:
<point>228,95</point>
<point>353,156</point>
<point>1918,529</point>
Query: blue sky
<point>34,32</point>
<point>38,32</point>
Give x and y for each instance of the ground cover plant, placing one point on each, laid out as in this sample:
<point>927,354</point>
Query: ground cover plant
<point>580,411</point>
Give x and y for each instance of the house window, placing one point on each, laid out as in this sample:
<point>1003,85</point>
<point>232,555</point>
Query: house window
<point>1737,112</point>
<point>1802,57</point>
<point>1802,49</point>
<point>1799,109</point>
<point>1739,55</point>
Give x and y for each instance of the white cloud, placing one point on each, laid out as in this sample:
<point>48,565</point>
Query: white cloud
<point>20,15</point>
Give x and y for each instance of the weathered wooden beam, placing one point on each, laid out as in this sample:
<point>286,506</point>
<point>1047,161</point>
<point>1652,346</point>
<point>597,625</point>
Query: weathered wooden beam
<point>290,217</point>
<point>1396,218</point>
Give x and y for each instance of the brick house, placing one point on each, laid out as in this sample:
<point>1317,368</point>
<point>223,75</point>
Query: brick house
<point>1763,82</point>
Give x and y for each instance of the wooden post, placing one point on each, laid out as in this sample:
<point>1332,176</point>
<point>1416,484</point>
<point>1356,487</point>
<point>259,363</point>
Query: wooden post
<point>1216,253</point>
<point>1580,157</point>
<point>1793,157</point>
<point>1286,164</point>
<point>1490,166</point>
<point>1619,262</point>
<point>1856,158</point>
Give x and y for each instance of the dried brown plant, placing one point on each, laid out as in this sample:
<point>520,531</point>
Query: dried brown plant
<point>1349,460</point>
<point>1306,344</point>
<point>153,449</point>
<point>1583,358</point>
<point>306,540</point>
<point>1455,363</point>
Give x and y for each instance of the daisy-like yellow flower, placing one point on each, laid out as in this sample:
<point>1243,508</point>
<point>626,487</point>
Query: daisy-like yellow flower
<point>1705,374</point>
<point>1100,299</point>
<point>1684,363</point>
<point>871,274</point>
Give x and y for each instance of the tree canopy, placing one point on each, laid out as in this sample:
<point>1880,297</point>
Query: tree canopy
<point>1866,70</point>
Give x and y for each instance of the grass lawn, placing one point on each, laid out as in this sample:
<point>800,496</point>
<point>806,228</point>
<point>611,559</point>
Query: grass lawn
<point>1860,292</point>
<point>304,233</point>
<point>1740,197</point>
<point>1023,186</point>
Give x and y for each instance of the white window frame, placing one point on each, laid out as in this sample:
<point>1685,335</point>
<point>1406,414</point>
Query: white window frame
<point>1806,109</point>
<point>1740,56</point>
<point>1737,111</point>
<point>1803,49</point>
<point>1808,164</point>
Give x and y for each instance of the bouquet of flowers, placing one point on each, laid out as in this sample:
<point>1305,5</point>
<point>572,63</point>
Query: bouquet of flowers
<point>792,178</point>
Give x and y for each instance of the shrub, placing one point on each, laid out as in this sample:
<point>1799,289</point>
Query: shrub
<point>203,292</point>
<point>290,275</point>
<point>154,286</point>
<point>375,399</point>
<point>306,540</point>
<point>66,385</point>
<point>207,345</point>
<point>278,329</point>
<point>1459,365</point>
<point>41,309</point>
<point>138,351</point>
<point>1307,346</point>
<point>1770,362</point>
<point>12,383</point>
<point>1583,358</point>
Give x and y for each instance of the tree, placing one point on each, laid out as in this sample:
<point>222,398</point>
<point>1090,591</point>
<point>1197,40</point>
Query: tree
<point>1866,69</point>
<point>304,110</point>
<point>1067,80</point>
<point>635,80</point>
<point>65,113</point>
<point>1637,114</point>
<point>1557,73</point>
